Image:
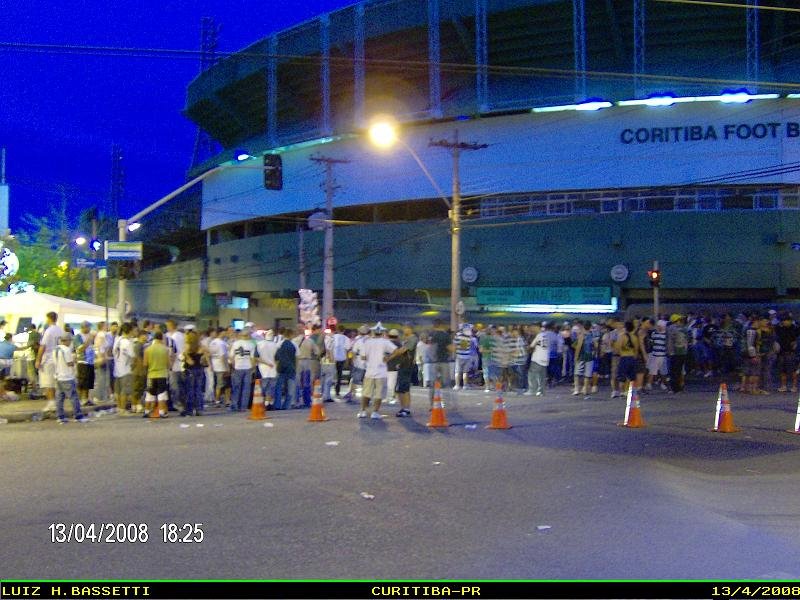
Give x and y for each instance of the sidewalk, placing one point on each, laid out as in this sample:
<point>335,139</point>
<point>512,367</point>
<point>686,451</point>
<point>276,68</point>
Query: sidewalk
<point>21,411</point>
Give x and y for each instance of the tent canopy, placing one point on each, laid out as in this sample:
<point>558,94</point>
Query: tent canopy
<point>31,307</point>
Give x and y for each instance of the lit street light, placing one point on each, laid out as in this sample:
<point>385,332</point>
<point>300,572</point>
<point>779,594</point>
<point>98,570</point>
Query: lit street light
<point>80,240</point>
<point>383,134</point>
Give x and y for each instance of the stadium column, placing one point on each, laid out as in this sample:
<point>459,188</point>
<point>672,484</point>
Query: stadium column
<point>579,33</point>
<point>272,92</point>
<point>481,56</point>
<point>325,72</point>
<point>359,66</point>
<point>434,60</point>
<point>638,46</point>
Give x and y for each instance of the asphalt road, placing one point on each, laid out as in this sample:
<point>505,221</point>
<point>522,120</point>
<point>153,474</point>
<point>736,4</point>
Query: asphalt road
<point>563,494</point>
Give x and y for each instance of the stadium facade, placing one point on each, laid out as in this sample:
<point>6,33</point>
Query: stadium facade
<point>618,133</point>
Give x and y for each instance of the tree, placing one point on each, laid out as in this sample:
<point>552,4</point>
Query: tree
<point>46,251</point>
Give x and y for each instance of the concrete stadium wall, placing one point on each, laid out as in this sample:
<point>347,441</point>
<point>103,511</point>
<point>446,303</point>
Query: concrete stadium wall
<point>619,147</point>
<point>734,252</point>
<point>170,290</point>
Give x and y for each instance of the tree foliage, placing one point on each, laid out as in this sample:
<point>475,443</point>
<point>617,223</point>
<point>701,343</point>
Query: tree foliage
<point>47,251</point>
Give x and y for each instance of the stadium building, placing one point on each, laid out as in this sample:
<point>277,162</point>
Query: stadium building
<point>617,132</point>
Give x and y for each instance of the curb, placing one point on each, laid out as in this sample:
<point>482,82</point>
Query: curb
<point>41,415</point>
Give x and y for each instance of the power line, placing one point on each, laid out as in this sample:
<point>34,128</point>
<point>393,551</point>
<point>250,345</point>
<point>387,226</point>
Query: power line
<point>731,5</point>
<point>402,65</point>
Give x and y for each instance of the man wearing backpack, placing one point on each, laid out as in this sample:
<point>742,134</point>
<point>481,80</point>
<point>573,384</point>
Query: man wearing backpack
<point>585,347</point>
<point>677,349</point>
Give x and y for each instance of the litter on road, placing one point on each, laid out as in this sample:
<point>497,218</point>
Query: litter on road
<point>473,426</point>
<point>333,443</point>
<point>543,527</point>
<point>436,462</point>
<point>184,426</point>
<point>199,425</point>
<point>367,496</point>
<point>268,425</point>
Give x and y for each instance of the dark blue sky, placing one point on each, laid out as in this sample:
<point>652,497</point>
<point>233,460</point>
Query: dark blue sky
<point>60,113</point>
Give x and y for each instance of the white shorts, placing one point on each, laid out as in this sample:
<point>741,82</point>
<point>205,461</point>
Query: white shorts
<point>584,368</point>
<point>463,365</point>
<point>374,387</point>
<point>657,365</point>
<point>47,375</point>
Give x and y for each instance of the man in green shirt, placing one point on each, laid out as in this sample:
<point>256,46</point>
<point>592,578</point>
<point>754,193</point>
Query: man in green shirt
<point>157,365</point>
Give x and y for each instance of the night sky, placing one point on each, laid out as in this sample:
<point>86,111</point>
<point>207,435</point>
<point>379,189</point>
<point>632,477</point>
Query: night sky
<point>60,113</point>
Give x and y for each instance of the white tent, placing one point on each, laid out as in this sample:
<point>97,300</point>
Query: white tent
<point>31,307</point>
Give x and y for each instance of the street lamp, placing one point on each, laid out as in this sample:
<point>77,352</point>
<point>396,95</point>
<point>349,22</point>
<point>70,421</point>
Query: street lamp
<point>383,133</point>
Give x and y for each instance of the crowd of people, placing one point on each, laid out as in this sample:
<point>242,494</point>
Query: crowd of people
<point>152,369</point>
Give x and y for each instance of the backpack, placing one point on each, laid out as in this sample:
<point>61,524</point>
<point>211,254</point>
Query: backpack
<point>680,342</point>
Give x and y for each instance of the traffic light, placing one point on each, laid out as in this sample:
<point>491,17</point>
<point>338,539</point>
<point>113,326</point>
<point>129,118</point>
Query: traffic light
<point>273,172</point>
<point>654,276</point>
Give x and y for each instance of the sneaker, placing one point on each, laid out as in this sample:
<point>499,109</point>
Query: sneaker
<point>487,390</point>
<point>63,421</point>
<point>528,393</point>
<point>392,401</point>
<point>663,387</point>
<point>82,419</point>
<point>539,393</point>
<point>88,402</point>
<point>594,389</point>
<point>575,393</point>
<point>403,412</point>
<point>707,374</point>
<point>648,387</point>
<point>794,390</point>
<point>615,394</point>
<point>782,389</point>
<point>456,388</point>
<point>376,416</point>
<point>362,414</point>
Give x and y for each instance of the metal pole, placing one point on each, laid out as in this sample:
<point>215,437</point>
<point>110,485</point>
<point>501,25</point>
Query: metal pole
<point>327,275</point>
<point>94,269</point>
<point>301,253</point>
<point>455,233</point>
<point>655,293</point>
<point>122,226</point>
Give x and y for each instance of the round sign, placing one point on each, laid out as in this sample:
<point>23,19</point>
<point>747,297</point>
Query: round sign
<point>316,222</point>
<point>469,274</point>
<point>619,273</point>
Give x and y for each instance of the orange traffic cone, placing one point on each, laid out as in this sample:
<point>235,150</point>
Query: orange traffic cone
<point>499,419</point>
<point>633,412</point>
<point>317,412</point>
<point>723,421</point>
<point>258,411</point>
<point>438,418</point>
<point>796,421</point>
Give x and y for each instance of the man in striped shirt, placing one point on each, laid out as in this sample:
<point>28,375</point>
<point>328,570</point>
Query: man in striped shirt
<point>466,355</point>
<point>657,359</point>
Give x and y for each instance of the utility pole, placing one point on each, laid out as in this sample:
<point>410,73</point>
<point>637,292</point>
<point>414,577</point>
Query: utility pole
<point>327,276</point>
<point>655,290</point>
<point>301,254</point>
<point>94,269</point>
<point>456,147</point>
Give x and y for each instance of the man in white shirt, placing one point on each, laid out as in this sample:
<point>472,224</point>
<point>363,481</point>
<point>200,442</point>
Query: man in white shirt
<point>376,350</point>
<point>123,371</point>
<point>45,359</point>
<point>358,366</point>
<point>102,354</point>
<point>242,357</point>
<point>64,374</point>
<point>218,350</point>
<point>341,345</point>
<point>540,358</point>
<point>266,349</point>
<point>176,342</point>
